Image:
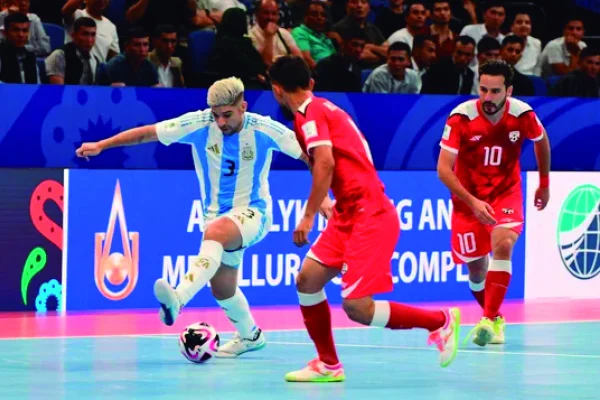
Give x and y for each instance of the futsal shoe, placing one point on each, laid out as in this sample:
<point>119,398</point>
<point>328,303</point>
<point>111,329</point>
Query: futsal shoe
<point>483,333</point>
<point>239,345</point>
<point>499,328</point>
<point>446,338</point>
<point>317,371</point>
<point>170,304</point>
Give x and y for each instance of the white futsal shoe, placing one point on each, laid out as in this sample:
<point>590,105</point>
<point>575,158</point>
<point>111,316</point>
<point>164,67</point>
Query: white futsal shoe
<point>239,345</point>
<point>170,303</point>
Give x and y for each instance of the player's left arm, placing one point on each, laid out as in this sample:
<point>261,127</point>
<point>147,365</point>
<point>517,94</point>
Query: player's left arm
<point>538,134</point>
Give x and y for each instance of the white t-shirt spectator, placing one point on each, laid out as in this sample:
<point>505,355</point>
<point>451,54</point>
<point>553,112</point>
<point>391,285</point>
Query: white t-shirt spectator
<point>555,52</point>
<point>402,35</point>
<point>382,81</point>
<point>528,64</point>
<point>106,35</point>
<point>279,47</point>
<point>477,31</point>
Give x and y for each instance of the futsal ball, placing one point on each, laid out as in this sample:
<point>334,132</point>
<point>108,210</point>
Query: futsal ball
<point>199,342</point>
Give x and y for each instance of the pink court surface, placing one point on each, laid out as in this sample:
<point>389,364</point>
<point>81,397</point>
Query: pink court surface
<point>552,352</point>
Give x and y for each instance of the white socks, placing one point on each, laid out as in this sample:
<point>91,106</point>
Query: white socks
<point>238,311</point>
<point>201,271</point>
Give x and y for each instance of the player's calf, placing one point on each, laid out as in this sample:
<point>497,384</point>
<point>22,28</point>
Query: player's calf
<point>359,310</point>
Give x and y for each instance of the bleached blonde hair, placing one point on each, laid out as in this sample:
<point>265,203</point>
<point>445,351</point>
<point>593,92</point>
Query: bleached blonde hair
<point>225,92</point>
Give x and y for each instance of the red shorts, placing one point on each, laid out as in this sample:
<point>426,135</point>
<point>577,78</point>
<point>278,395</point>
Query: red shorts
<point>362,248</point>
<point>471,239</point>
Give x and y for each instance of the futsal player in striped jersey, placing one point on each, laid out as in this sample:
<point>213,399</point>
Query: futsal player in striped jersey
<point>232,151</point>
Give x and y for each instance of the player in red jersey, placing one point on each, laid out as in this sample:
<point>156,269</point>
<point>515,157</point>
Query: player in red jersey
<point>479,163</point>
<point>360,236</point>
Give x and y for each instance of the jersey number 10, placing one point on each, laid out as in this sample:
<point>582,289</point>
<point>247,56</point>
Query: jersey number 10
<point>493,156</point>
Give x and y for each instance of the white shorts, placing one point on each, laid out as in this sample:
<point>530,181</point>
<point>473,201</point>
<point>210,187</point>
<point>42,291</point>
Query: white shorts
<point>253,225</point>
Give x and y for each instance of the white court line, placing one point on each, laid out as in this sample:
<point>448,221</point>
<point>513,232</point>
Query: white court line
<point>512,353</point>
<point>159,335</point>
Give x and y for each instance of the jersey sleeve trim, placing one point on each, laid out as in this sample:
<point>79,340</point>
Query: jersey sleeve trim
<point>538,138</point>
<point>318,143</point>
<point>173,130</point>
<point>448,148</point>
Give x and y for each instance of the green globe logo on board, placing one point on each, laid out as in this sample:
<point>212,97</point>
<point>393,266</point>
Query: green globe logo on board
<point>579,232</point>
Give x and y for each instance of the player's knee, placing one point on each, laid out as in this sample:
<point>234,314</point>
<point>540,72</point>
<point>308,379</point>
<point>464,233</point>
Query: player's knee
<point>503,247</point>
<point>304,284</point>
<point>225,232</point>
<point>477,270</point>
<point>358,310</point>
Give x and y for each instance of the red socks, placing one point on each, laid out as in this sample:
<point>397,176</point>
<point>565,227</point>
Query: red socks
<point>317,318</point>
<point>496,285</point>
<point>392,315</point>
<point>478,291</point>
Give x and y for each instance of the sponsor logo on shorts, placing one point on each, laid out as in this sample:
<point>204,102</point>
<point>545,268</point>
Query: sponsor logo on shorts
<point>344,268</point>
<point>475,138</point>
<point>508,211</point>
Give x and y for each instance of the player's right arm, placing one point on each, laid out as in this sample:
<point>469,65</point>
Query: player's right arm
<point>450,145</point>
<point>167,132</point>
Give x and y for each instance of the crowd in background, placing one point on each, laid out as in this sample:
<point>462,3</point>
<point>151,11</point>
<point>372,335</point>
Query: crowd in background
<point>395,46</point>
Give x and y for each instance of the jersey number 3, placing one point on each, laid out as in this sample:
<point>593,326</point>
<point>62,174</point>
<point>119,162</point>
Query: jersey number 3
<point>230,168</point>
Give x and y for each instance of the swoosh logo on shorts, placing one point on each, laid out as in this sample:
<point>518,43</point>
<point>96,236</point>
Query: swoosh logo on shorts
<point>346,292</point>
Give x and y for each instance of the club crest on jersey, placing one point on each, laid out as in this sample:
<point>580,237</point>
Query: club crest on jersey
<point>247,153</point>
<point>508,211</point>
<point>514,136</point>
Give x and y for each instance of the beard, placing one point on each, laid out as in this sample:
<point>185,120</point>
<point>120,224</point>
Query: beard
<point>491,108</point>
<point>288,115</point>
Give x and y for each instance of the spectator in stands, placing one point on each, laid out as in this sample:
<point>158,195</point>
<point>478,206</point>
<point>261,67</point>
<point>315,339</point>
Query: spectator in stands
<point>487,49</point>
<point>452,75</point>
<point>391,18</point>
<point>395,76</point>
<point>416,17</point>
<point>424,53</point>
<point>107,39</point>
<point>39,42</point>
<point>234,54</point>
<point>74,63</point>
<point>269,38</point>
<point>528,63</point>
<point>441,14</point>
<point>342,72</point>
<point>375,50</point>
<point>164,41</point>
<point>584,82</point>
<point>209,13</point>
<point>511,52</point>
<point>561,55</point>
<point>311,37</point>
<point>133,67</point>
<point>17,64</point>
<point>285,20</point>
<point>493,18</point>
<point>151,13</point>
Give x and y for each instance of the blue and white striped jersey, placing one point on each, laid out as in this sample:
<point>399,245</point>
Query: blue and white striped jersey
<point>232,169</point>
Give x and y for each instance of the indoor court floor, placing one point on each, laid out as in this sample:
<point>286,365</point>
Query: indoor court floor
<point>552,352</point>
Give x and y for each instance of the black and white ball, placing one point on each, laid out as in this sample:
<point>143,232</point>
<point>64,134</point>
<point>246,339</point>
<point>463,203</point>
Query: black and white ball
<point>199,342</point>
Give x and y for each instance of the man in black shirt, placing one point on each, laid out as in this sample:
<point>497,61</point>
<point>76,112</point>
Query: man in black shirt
<point>132,68</point>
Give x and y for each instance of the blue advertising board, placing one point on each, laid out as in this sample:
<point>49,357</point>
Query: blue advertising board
<point>41,126</point>
<point>127,228</point>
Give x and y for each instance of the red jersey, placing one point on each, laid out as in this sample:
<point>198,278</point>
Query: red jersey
<point>355,181</point>
<point>487,162</point>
